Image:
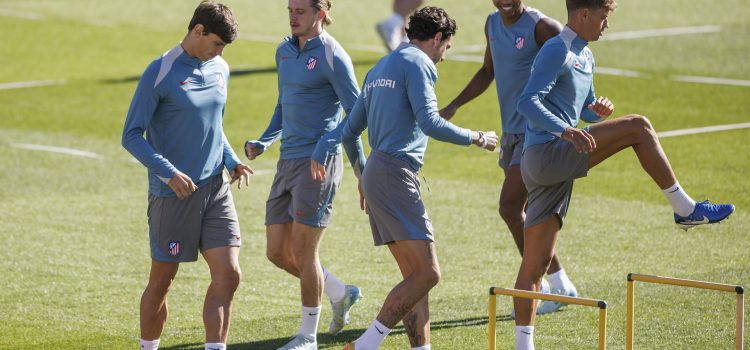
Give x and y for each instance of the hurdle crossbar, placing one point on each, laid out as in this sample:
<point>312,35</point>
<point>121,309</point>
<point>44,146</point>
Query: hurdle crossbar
<point>494,291</point>
<point>632,277</point>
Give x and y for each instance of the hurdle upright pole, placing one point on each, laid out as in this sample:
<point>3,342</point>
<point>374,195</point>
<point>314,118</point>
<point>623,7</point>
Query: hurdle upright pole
<point>491,324</point>
<point>629,316</point>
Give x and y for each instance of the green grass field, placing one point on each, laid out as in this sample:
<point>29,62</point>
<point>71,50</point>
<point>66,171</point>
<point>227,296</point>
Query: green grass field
<point>75,260</point>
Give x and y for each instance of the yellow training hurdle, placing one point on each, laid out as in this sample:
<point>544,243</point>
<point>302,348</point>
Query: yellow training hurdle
<point>602,305</point>
<point>685,283</point>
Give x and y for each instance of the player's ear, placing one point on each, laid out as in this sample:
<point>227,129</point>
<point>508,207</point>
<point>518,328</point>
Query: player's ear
<point>438,38</point>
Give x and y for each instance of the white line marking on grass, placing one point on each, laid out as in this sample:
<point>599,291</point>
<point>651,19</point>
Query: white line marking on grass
<point>29,84</point>
<point>651,33</point>
<point>619,72</point>
<point>63,150</point>
<point>20,14</point>
<point>702,130</point>
<point>710,80</point>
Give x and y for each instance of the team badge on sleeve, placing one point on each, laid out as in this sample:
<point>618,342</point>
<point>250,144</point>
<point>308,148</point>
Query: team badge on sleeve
<point>220,79</point>
<point>174,248</point>
<point>311,62</point>
<point>519,42</point>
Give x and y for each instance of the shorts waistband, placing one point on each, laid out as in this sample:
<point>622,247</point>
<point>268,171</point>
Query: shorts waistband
<point>390,159</point>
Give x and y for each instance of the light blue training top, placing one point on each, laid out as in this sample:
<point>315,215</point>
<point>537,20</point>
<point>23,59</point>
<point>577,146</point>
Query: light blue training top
<point>560,88</point>
<point>179,104</point>
<point>316,84</point>
<point>398,104</point>
<point>513,49</point>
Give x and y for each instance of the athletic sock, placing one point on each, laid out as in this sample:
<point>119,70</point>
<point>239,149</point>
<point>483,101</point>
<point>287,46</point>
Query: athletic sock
<point>310,318</point>
<point>373,336</point>
<point>423,347</point>
<point>216,346</point>
<point>560,280</point>
<point>333,287</point>
<point>544,286</point>
<point>395,21</point>
<point>525,338</point>
<point>681,203</point>
<point>149,344</point>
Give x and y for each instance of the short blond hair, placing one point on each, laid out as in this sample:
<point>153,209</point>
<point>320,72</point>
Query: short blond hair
<point>325,6</point>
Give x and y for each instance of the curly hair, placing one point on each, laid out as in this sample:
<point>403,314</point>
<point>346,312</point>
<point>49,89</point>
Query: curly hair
<point>216,18</point>
<point>428,21</point>
<point>573,5</point>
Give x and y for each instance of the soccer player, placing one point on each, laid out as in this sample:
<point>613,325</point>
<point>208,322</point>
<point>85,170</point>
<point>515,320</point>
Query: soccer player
<point>391,30</point>
<point>316,84</point>
<point>179,105</point>
<point>398,104</point>
<point>559,93</point>
<point>514,34</point>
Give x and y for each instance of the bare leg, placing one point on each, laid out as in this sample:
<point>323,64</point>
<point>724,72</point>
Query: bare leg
<point>422,261</point>
<point>405,7</point>
<point>417,320</point>
<point>225,278</point>
<point>154,299</point>
<point>305,243</point>
<point>537,252</point>
<point>513,210</point>
<point>634,131</point>
<point>279,247</point>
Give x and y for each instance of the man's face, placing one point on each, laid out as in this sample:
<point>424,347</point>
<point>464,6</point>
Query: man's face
<point>209,46</point>
<point>508,8</point>
<point>302,17</point>
<point>595,23</point>
<point>438,54</point>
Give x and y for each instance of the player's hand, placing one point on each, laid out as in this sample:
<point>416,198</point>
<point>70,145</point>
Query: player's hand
<point>242,173</point>
<point>581,140</point>
<point>182,185</point>
<point>362,203</point>
<point>448,112</point>
<point>602,107</point>
<point>253,149</point>
<point>318,170</point>
<point>486,140</point>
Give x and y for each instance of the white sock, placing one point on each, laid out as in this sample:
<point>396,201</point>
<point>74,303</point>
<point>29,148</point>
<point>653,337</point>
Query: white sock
<point>423,347</point>
<point>681,203</point>
<point>149,344</point>
<point>544,287</point>
<point>395,21</point>
<point>310,318</point>
<point>373,336</point>
<point>524,337</point>
<point>560,280</point>
<point>216,346</point>
<point>333,287</point>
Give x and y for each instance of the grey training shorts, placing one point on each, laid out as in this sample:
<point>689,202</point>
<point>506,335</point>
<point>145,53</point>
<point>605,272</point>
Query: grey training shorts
<point>394,200</point>
<point>295,196</point>
<point>511,150</point>
<point>548,171</point>
<point>179,228</point>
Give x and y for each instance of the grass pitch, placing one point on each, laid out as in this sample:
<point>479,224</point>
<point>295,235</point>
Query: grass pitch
<point>75,252</point>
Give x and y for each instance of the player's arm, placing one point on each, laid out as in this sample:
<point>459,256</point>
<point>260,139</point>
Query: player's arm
<point>141,111</point>
<point>597,109</point>
<point>344,83</point>
<point>254,148</point>
<point>237,170</point>
<point>477,85</point>
<point>544,73</point>
<point>421,93</point>
<point>546,29</point>
<point>347,132</point>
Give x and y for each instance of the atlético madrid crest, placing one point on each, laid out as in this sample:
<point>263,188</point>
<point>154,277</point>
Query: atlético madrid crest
<point>174,248</point>
<point>311,62</point>
<point>519,42</point>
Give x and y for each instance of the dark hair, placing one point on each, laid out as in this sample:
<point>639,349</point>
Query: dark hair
<point>216,18</point>
<point>573,5</point>
<point>323,5</point>
<point>428,21</point>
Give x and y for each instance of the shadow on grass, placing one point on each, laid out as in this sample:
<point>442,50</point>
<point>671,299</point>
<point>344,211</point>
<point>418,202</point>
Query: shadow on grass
<point>234,72</point>
<point>326,340</point>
